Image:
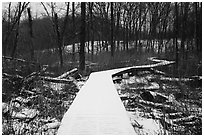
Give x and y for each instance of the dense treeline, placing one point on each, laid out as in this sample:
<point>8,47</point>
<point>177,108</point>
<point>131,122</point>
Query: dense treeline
<point>110,23</point>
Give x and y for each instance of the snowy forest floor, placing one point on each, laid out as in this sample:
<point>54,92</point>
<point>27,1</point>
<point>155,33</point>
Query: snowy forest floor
<point>34,102</point>
<point>159,104</point>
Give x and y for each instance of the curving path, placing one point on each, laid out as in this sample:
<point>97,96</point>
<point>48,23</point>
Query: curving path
<point>97,108</point>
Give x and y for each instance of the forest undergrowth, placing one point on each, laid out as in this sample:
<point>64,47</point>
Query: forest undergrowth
<point>34,103</point>
<point>161,104</point>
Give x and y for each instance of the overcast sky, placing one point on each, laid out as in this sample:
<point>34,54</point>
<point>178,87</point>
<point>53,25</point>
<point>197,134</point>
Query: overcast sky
<point>37,8</point>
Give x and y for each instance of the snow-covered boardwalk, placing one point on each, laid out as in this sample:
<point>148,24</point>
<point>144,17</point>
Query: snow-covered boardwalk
<point>97,109</point>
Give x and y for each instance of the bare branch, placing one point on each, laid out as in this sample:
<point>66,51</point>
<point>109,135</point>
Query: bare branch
<point>45,9</point>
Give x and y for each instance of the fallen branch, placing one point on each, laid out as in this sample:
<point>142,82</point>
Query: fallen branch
<point>167,123</point>
<point>197,102</point>
<point>37,73</point>
<point>163,107</point>
<point>184,119</point>
<point>175,115</point>
<point>194,79</point>
<point>19,60</point>
<point>53,125</point>
<point>157,60</point>
<point>192,123</point>
<point>33,76</point>
<point>28,92</point>
<point>67,73</point>
<point>24,114</point>
<point>5,107</point>
<point>175,79</point>
<point>12,76</point>
<point>56,80</point>
<point>157,71</point>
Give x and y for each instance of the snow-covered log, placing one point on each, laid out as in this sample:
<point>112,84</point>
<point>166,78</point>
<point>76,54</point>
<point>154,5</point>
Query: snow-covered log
<point>12,76</point>
<point>5,107</point>
<point>175,115</point>
<point>56,80</point>
<point>51,125</point>
<point>67,73</point>
<point>157,71</point>
<point>157,60</point>
<point>185,119</point>
<point>19,60</point>
<point>194,81</point>
<point>24,114</point>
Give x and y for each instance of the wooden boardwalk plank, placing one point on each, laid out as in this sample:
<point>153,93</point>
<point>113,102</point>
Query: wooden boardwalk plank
<point>97,109</point>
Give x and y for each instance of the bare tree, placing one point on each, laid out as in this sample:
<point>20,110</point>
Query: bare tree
<point>82,37</point>
<point>31,34</point>
<point>21,8</point>
<point>176,31</point>
<point>124,27</point>
<point>195,25</point>
<point>8,30</point>
<point>118,13</point>
<point>73,25</point>
<point>91,27</point>
<point>112,26</point>
<point>13,21</point>
<point>60,32</point>
<point>183,34</point>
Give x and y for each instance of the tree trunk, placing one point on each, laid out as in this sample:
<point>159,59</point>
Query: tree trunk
<point>4,42</point>
<point>60,36</point>
<point>88,33</point>
<point>140,25</point>
<point>126,36</point>
<point>199,30</point>
<point>183,37</point>
<point>11,25</point>
<point>59,40</point>
<point>117,29</point>
<point>16,40</point>
<point>17,31</point>
<point>73,24</point>
<point>136,35</point>
<point>176,33</point>
<point>31,35</point>
<point>112,25</point>
<point>195,26</point>
<point>82,38</point>
<point>92,31</point>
